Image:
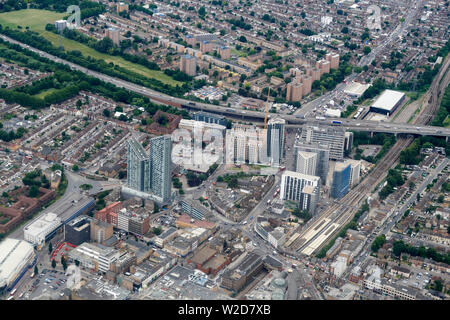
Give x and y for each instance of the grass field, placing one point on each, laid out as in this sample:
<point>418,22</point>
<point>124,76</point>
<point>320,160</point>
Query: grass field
<point>36,20</point>
<point>44,93</point>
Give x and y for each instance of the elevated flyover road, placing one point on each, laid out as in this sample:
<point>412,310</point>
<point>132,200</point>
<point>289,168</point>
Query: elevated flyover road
<point>254,116</point>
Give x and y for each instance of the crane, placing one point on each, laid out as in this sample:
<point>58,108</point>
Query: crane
<point>267,110</point>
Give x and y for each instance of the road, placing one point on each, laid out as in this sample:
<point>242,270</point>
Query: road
<point>339,214</point>
<point>307,108</point>
<point>358,125</point>
<point>73,188</point>
<point>392,219</point>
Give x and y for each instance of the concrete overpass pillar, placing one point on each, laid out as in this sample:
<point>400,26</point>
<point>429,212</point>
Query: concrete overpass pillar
<point>447,138</point>
<point>371,134</point>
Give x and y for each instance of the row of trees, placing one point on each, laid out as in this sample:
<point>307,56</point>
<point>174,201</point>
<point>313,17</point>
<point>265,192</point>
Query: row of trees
<point>12,135</point>
<point>400,247</point>
<point>394,179</point>
<point>68,83</point>
<point>36,178</point>
<point>444,110</point>
<point>107,46</point>
<point>384,139</point>
<point>35,40</point>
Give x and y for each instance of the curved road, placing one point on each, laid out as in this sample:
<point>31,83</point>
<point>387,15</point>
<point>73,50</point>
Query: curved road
<point>358,125</point>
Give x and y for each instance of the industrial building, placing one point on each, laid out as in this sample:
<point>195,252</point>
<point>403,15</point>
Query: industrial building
<point>356,89</point>
<point>42,228</point>
<point>15,258</point>
<point>388,102</point>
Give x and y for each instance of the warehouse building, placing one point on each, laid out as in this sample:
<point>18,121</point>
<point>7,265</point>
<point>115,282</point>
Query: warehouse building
<point>15,258</point>
<point>388,102</point>
<point>42,229</point>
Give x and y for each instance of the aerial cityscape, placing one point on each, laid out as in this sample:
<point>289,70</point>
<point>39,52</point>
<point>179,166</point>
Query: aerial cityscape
<point>224,150</point>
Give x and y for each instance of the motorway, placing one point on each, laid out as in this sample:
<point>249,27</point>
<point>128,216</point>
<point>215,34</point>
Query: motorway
<point>307,108</point>
<point>297,120</point>
<point>337,215</point>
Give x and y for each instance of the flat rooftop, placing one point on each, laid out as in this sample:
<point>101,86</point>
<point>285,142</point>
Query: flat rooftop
<point>388,100</point>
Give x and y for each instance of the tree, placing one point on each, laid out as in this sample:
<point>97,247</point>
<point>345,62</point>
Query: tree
<point>378,242</point>
<point>233,183</point>
<point>438,285</point>
<point>36,270</point>
<point>156,208</point>
<point>75,167</point>
<point>53,263</point>
<point>34,191</point>
<point>162,120</point>
<point>367,50</point>
<point>77,263</point>
<point>64,263</point>
<point>157,231</point>
<point>106,113</point>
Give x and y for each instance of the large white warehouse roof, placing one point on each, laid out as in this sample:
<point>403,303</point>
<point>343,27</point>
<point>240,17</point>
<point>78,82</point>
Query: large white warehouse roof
<point>14,256</point>
<point>388,100</point>
<point>36,231</point>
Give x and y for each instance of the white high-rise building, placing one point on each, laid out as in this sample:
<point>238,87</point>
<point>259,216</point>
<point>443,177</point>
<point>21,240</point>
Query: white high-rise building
<point>295,185</point>
<point>160,167</point>
<point>355,171</point>
<point>246,145</point>
<point>323,157</point>
<point>275,140</point>
<point>306,163</point>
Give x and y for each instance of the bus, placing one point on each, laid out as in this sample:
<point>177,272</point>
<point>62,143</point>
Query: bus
<point>12,292</point>
<point>32,275</point>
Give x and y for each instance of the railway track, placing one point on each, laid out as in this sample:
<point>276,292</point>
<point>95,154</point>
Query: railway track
<point>343,212</point>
